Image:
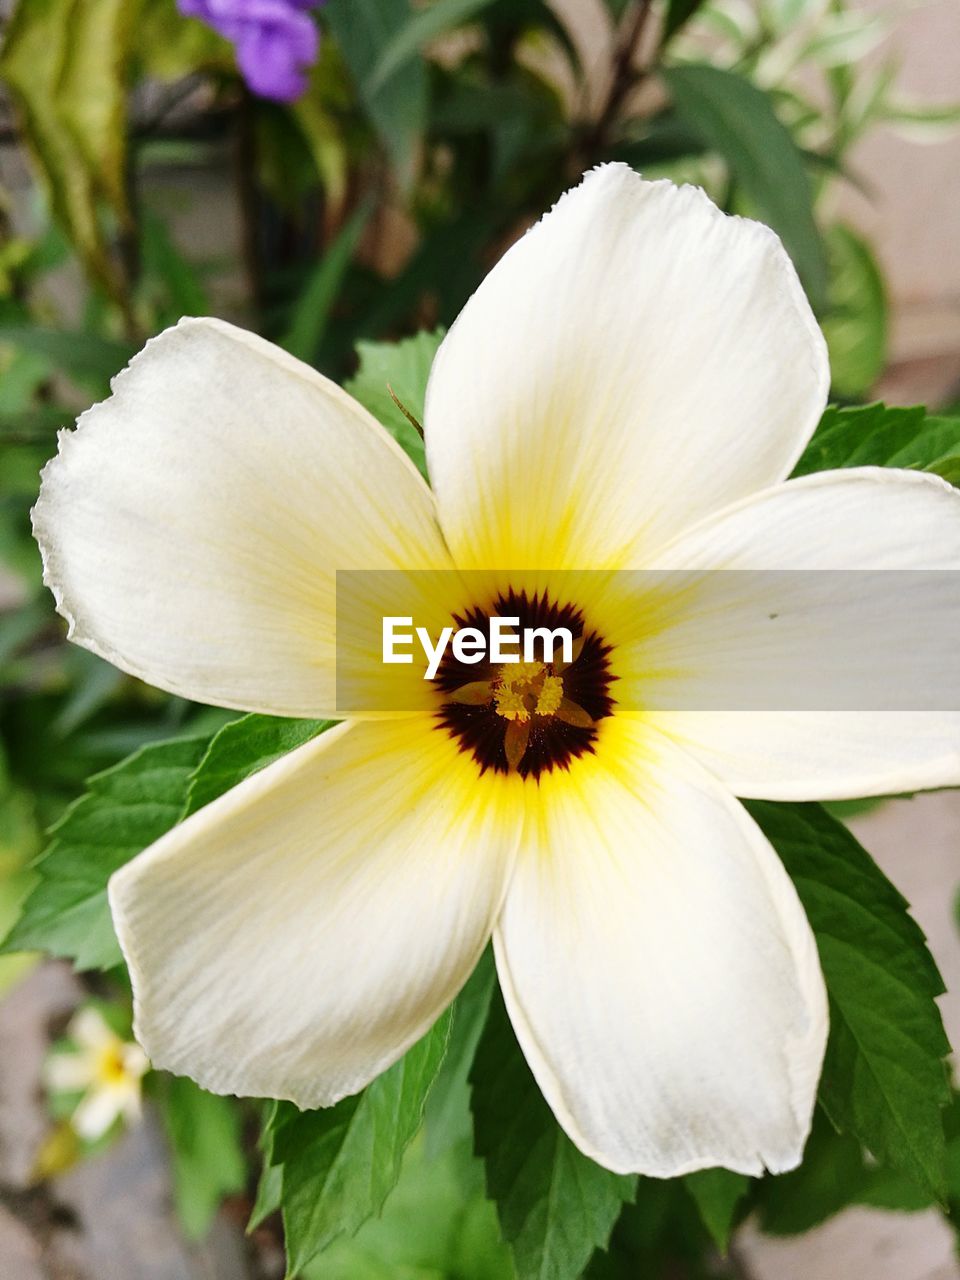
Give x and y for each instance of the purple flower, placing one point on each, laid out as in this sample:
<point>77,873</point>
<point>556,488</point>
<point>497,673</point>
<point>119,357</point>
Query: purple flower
<point>276,40</point>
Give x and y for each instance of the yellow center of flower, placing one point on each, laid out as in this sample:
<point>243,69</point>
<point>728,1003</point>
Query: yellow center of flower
<point>111,1068</point>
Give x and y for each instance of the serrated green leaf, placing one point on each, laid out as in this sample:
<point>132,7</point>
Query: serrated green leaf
<point>736,119</point>
<point>269,1195</point>
<point>866,435</point>
<point>435,1225</point>
<point>404,366</point>
<point>660,1233</point>
<point>339,1164</point>
<point>244,747</point>
<point>204,1132</point>
<point>125,809</point>
<point>828,1180</point>
<point>398,108</point>
<point>834,1175</point>
<point>884,1079</point>
<point>270,1182</point>
<point>717,1193</point>
<point>554,1204</point>
<point>447,1118</point>
<point>880,436</point>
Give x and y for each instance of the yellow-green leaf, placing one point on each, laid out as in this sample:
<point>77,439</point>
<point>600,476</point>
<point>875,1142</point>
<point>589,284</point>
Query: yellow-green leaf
<point>65,62</point>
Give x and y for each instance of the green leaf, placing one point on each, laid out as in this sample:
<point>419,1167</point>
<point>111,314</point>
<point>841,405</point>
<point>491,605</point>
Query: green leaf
<point>170,270</point>
<point>855,325</point>
<point>19,841</point>
<point>320,116</point>
<point>835,1174</point>
<point>879,436</point>
<point>554,1204</point>
<point>404,366</point>
<point>659,1234</point>
<point>736,119</point>
<point>340,1163</point>
<point>883,1078</point>
<point>205,1140</point>
<point>678,14</point>
<point>421,27</point>
<point>447,1118</point>
<point>170,47</point>
<point>717,1193</point>
<point>125,809</point>
<point>66,64</point>
<point>398,109</point>
<point>828,1180</point>
<point>270,1183</point>
<point>311,313</point>
<point>38,424</point>
<point>244,747</point>
<point>83,355</point>
<point>436,1225</point>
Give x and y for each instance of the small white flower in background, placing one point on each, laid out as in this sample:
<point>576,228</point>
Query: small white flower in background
<point>629,388</point>
<point>105,1068</point>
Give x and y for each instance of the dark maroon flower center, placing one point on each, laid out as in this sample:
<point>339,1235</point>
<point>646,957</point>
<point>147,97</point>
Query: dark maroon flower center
<point>527,717</point>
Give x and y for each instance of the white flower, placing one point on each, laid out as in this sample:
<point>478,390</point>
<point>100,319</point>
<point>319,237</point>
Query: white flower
<point>107,1070</point>
<point>629,388</point>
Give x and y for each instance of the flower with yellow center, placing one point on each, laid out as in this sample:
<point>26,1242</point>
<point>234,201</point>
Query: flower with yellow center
<point>629,388</point>
<point>106,1069</point>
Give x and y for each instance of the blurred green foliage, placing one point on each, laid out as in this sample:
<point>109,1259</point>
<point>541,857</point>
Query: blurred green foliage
<point>430,136</point>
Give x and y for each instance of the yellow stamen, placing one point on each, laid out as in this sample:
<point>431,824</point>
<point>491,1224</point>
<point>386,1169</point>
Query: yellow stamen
<point>550,696</point>
<point>521,672</point>
<point>510,703</point>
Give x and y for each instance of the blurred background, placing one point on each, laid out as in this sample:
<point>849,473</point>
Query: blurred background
<point>346,173</point>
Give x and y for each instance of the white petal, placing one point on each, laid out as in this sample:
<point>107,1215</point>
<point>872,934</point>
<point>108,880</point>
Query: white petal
<point>292,939</point>
<point>868,519</point>
<point>192,526</point>
<point>822,755</point>
<point>860,518</point>
<point>659,970</point>
<point>88,1027</point>
<point>131,1105</point>
<point>68,1072</point>
<point>635,362</point>
<point>97,1112</point>
<point>135,1064</point>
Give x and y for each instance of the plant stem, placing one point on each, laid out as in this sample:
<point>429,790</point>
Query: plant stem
<point>622,79</point>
